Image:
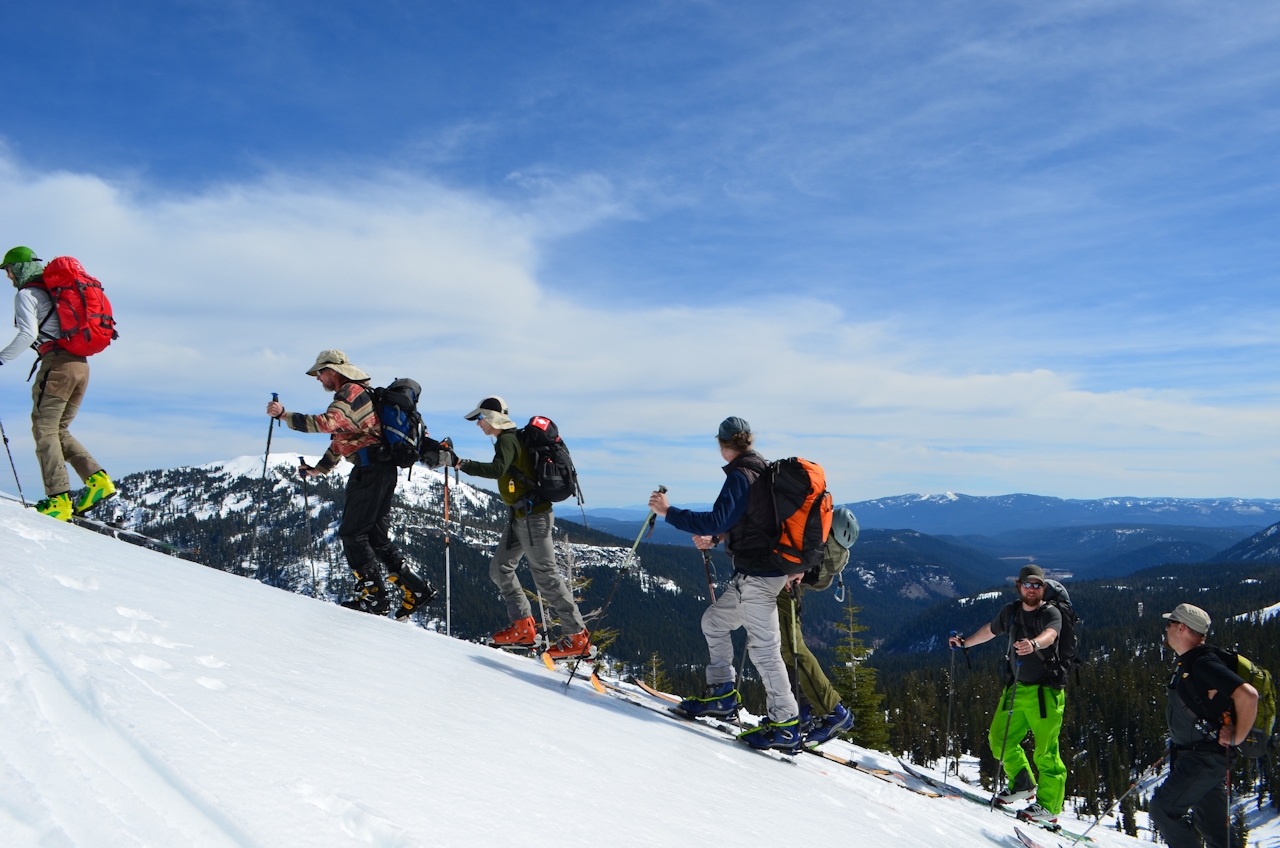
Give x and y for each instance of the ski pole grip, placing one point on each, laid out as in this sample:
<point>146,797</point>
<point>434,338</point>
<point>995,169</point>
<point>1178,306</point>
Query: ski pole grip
<point>662,490</point>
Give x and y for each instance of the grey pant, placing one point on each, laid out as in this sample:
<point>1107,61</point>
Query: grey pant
<point>55,400</point>
<point>531,537</point>
<point>1197,783</point>
<point>752,602</point>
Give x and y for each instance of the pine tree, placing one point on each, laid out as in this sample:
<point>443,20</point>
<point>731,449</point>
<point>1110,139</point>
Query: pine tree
<point>856,683</point>
<point>655,673</point>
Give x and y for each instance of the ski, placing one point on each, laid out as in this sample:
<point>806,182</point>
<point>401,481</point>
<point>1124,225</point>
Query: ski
<point>956,791</point>
<point>712,728</point>
<point>133,537</point>
<point>1026,840</point>
<point>886,775</point>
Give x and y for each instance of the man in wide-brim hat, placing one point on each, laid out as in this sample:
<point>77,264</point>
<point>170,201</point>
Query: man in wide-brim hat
<point>355,433</point>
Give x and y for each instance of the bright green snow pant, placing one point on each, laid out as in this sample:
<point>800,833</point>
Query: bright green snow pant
<point>813,683</point>
<point>1026,717</point>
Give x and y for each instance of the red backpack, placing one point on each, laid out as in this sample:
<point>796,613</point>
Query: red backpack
<point>84,313</point>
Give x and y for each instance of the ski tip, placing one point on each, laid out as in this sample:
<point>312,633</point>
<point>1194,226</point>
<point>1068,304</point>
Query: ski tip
<point>595,681</point>
<point>547,661</point>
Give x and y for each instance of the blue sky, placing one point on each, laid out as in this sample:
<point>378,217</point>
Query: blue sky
<point>986,247</point>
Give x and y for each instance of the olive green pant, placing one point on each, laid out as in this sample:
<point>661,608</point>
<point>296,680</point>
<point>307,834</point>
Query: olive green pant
<point>817,689</point>
<point>56,396</point>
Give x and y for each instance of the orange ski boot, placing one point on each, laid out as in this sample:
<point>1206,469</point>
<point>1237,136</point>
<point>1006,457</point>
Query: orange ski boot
<point>521,634</point>
<point>573,645</point>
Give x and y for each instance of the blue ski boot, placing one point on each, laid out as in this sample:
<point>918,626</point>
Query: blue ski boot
<point>783,736</point>
<point>721,700</point>
<point>839,721</point>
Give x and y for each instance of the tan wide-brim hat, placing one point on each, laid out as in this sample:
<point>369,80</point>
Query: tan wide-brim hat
<point>337,361</point>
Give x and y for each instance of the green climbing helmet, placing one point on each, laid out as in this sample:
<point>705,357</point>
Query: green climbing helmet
<point>17,255</point>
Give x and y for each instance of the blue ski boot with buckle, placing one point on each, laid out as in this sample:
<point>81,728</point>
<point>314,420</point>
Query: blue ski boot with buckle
<point>823,729</point>
<point>782,736</point>
<point>721,700</point>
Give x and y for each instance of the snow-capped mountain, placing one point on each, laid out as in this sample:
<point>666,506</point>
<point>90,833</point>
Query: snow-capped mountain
<point>961,515</point>
<point>1261,547</point>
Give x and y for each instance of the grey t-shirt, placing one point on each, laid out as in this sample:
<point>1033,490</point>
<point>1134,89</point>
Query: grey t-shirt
<point>1029,625</point>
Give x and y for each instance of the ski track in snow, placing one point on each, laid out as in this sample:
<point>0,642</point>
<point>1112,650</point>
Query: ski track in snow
<point>253,717</point>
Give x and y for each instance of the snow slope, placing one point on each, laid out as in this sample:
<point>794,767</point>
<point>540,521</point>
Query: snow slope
<point>151,701</point>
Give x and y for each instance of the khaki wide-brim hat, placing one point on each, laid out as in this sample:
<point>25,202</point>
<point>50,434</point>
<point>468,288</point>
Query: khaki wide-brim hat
<point>337,361</point>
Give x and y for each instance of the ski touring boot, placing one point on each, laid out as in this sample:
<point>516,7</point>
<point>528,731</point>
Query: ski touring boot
<point>522,634</point>
<point>720,700</point>
<point>1038,814</point>
<point>97,489</point>
<point>823,729</point>
<point>573,646</point>
<point>1023,789</point>
<point>781,736</point>
<point>372,598</point>
<point>56,506</point>
<point>417,591</point>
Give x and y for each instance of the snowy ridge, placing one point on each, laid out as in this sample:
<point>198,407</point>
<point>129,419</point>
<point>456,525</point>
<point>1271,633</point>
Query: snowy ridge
<point>220,489</point>
<point>135,716</point>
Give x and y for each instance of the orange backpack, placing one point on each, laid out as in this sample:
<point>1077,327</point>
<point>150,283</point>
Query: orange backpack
<point>803,507</point>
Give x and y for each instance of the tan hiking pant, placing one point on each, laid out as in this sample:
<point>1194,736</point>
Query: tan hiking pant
<point>56,396</point>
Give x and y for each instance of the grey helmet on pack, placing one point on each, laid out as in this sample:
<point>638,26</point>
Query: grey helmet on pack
<point>844,527</point>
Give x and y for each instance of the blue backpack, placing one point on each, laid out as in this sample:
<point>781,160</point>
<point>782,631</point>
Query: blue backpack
<point>402,429</point>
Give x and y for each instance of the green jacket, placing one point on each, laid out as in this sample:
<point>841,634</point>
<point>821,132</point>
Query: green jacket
<point>514,491</point>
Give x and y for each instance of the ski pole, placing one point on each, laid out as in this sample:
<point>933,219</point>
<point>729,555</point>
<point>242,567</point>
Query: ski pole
<point>306,511</point>
<point>448,604</point>
<point>262,490</point>
<point>795,639</point>
<point>11,465</point>
<point>1231,755</point>
<point>951,697</point>
<point>1013,695</point>
<point>626,563</point>
<point>1132,786</point>
<point>711,584</point>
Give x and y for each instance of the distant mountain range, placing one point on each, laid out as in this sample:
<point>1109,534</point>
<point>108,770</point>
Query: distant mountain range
<point>963,515</point>
<point>1104,551</point>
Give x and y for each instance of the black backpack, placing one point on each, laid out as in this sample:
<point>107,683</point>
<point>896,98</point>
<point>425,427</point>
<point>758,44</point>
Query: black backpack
<point>554,477</point>
<point>402,428</point>
<point>1067,646</point>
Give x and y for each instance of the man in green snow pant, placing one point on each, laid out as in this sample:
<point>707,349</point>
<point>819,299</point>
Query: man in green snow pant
<point>1033,627</point>
<point>1037,710</point>
<point>813,682</point>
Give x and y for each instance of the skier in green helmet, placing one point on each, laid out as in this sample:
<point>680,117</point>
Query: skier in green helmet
<point>58,391</point>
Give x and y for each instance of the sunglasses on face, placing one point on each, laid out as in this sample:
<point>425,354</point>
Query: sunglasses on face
<point>1031,585</point>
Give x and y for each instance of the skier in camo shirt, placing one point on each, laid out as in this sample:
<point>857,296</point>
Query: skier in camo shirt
<point>356,435</point>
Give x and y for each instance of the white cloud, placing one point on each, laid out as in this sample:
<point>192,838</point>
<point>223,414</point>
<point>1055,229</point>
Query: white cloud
<point>224,296</point>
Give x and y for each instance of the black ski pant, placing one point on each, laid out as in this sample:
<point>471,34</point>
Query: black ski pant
<point>1197,783</point>
<point>367,520</point>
